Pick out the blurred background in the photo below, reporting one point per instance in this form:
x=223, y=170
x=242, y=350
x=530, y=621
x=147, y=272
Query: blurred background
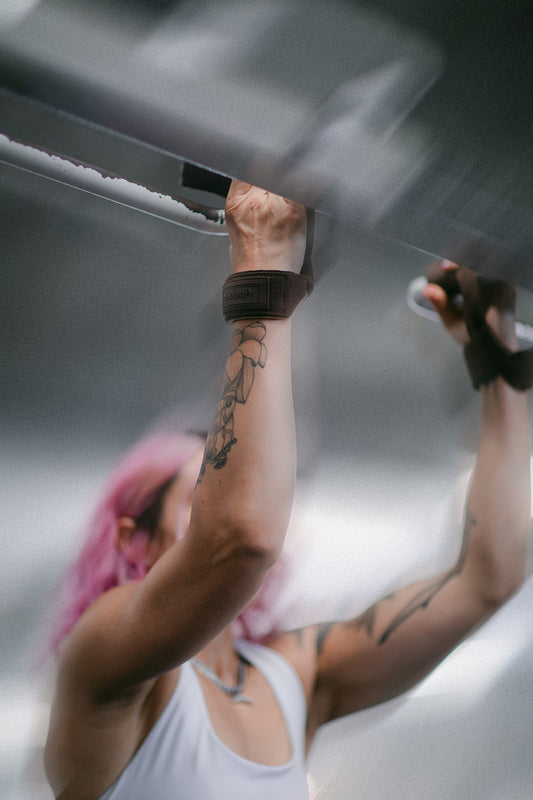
x=407, y=128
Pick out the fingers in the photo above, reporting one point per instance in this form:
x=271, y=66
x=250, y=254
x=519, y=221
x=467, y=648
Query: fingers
x=439, y=300
x=240, y=189
x=264, y=211
x=451, y=316
x=439, y=275
x=237, y=191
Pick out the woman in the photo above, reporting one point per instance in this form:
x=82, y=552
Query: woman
x=156, y=696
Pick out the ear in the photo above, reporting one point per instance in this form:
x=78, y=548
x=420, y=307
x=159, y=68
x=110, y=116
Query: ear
x=132, y=547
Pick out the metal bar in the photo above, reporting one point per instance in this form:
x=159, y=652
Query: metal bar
x=77, y=175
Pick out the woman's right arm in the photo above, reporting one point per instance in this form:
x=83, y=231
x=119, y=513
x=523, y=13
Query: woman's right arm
x=243, y=499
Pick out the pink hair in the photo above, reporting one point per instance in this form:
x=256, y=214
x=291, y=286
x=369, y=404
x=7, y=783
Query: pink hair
x=133, y=487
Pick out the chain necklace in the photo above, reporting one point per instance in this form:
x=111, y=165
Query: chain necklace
x=235, y=692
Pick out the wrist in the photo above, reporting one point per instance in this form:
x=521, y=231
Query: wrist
x=281, y=258
x=263, y=294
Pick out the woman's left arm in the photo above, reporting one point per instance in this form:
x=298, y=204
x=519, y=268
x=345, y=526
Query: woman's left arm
x=401, y=638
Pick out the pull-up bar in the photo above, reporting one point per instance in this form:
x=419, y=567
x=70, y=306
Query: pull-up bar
x=77, y=175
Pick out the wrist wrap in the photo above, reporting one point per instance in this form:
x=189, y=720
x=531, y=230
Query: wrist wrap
x=263, y=294
x=486, y=357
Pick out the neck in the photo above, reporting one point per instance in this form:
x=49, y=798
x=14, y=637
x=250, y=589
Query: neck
x=221, y=657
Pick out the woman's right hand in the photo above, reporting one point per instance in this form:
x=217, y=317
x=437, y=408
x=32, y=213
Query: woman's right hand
x=266, y=231
x=499, y=314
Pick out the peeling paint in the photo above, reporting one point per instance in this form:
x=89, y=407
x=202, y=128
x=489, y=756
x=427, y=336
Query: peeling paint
x=77, y=175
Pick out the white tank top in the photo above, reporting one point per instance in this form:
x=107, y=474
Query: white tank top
x=182, y=758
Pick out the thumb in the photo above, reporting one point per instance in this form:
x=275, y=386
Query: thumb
x=437, y=297
x=452, y=318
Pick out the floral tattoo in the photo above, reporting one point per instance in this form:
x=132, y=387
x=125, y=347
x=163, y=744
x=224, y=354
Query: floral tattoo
x=246, y=354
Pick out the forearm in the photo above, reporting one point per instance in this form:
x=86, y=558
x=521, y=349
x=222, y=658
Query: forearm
x=498, y=508
x=247, y=480
x=248, y=475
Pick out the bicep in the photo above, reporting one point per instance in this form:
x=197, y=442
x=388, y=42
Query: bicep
x=395, y=643
x=139, y=631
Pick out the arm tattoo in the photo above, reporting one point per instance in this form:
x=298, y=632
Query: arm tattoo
x=367, y=619
x=247, y=352
x=423, y=597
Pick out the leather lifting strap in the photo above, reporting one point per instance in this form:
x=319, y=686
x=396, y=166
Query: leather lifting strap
x=486, y=357
x=269, y=294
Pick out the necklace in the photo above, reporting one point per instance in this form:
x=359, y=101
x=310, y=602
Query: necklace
x=235, y=692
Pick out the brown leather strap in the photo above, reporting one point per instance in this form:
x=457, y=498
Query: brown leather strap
x=486, y=357
x=263, y=294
